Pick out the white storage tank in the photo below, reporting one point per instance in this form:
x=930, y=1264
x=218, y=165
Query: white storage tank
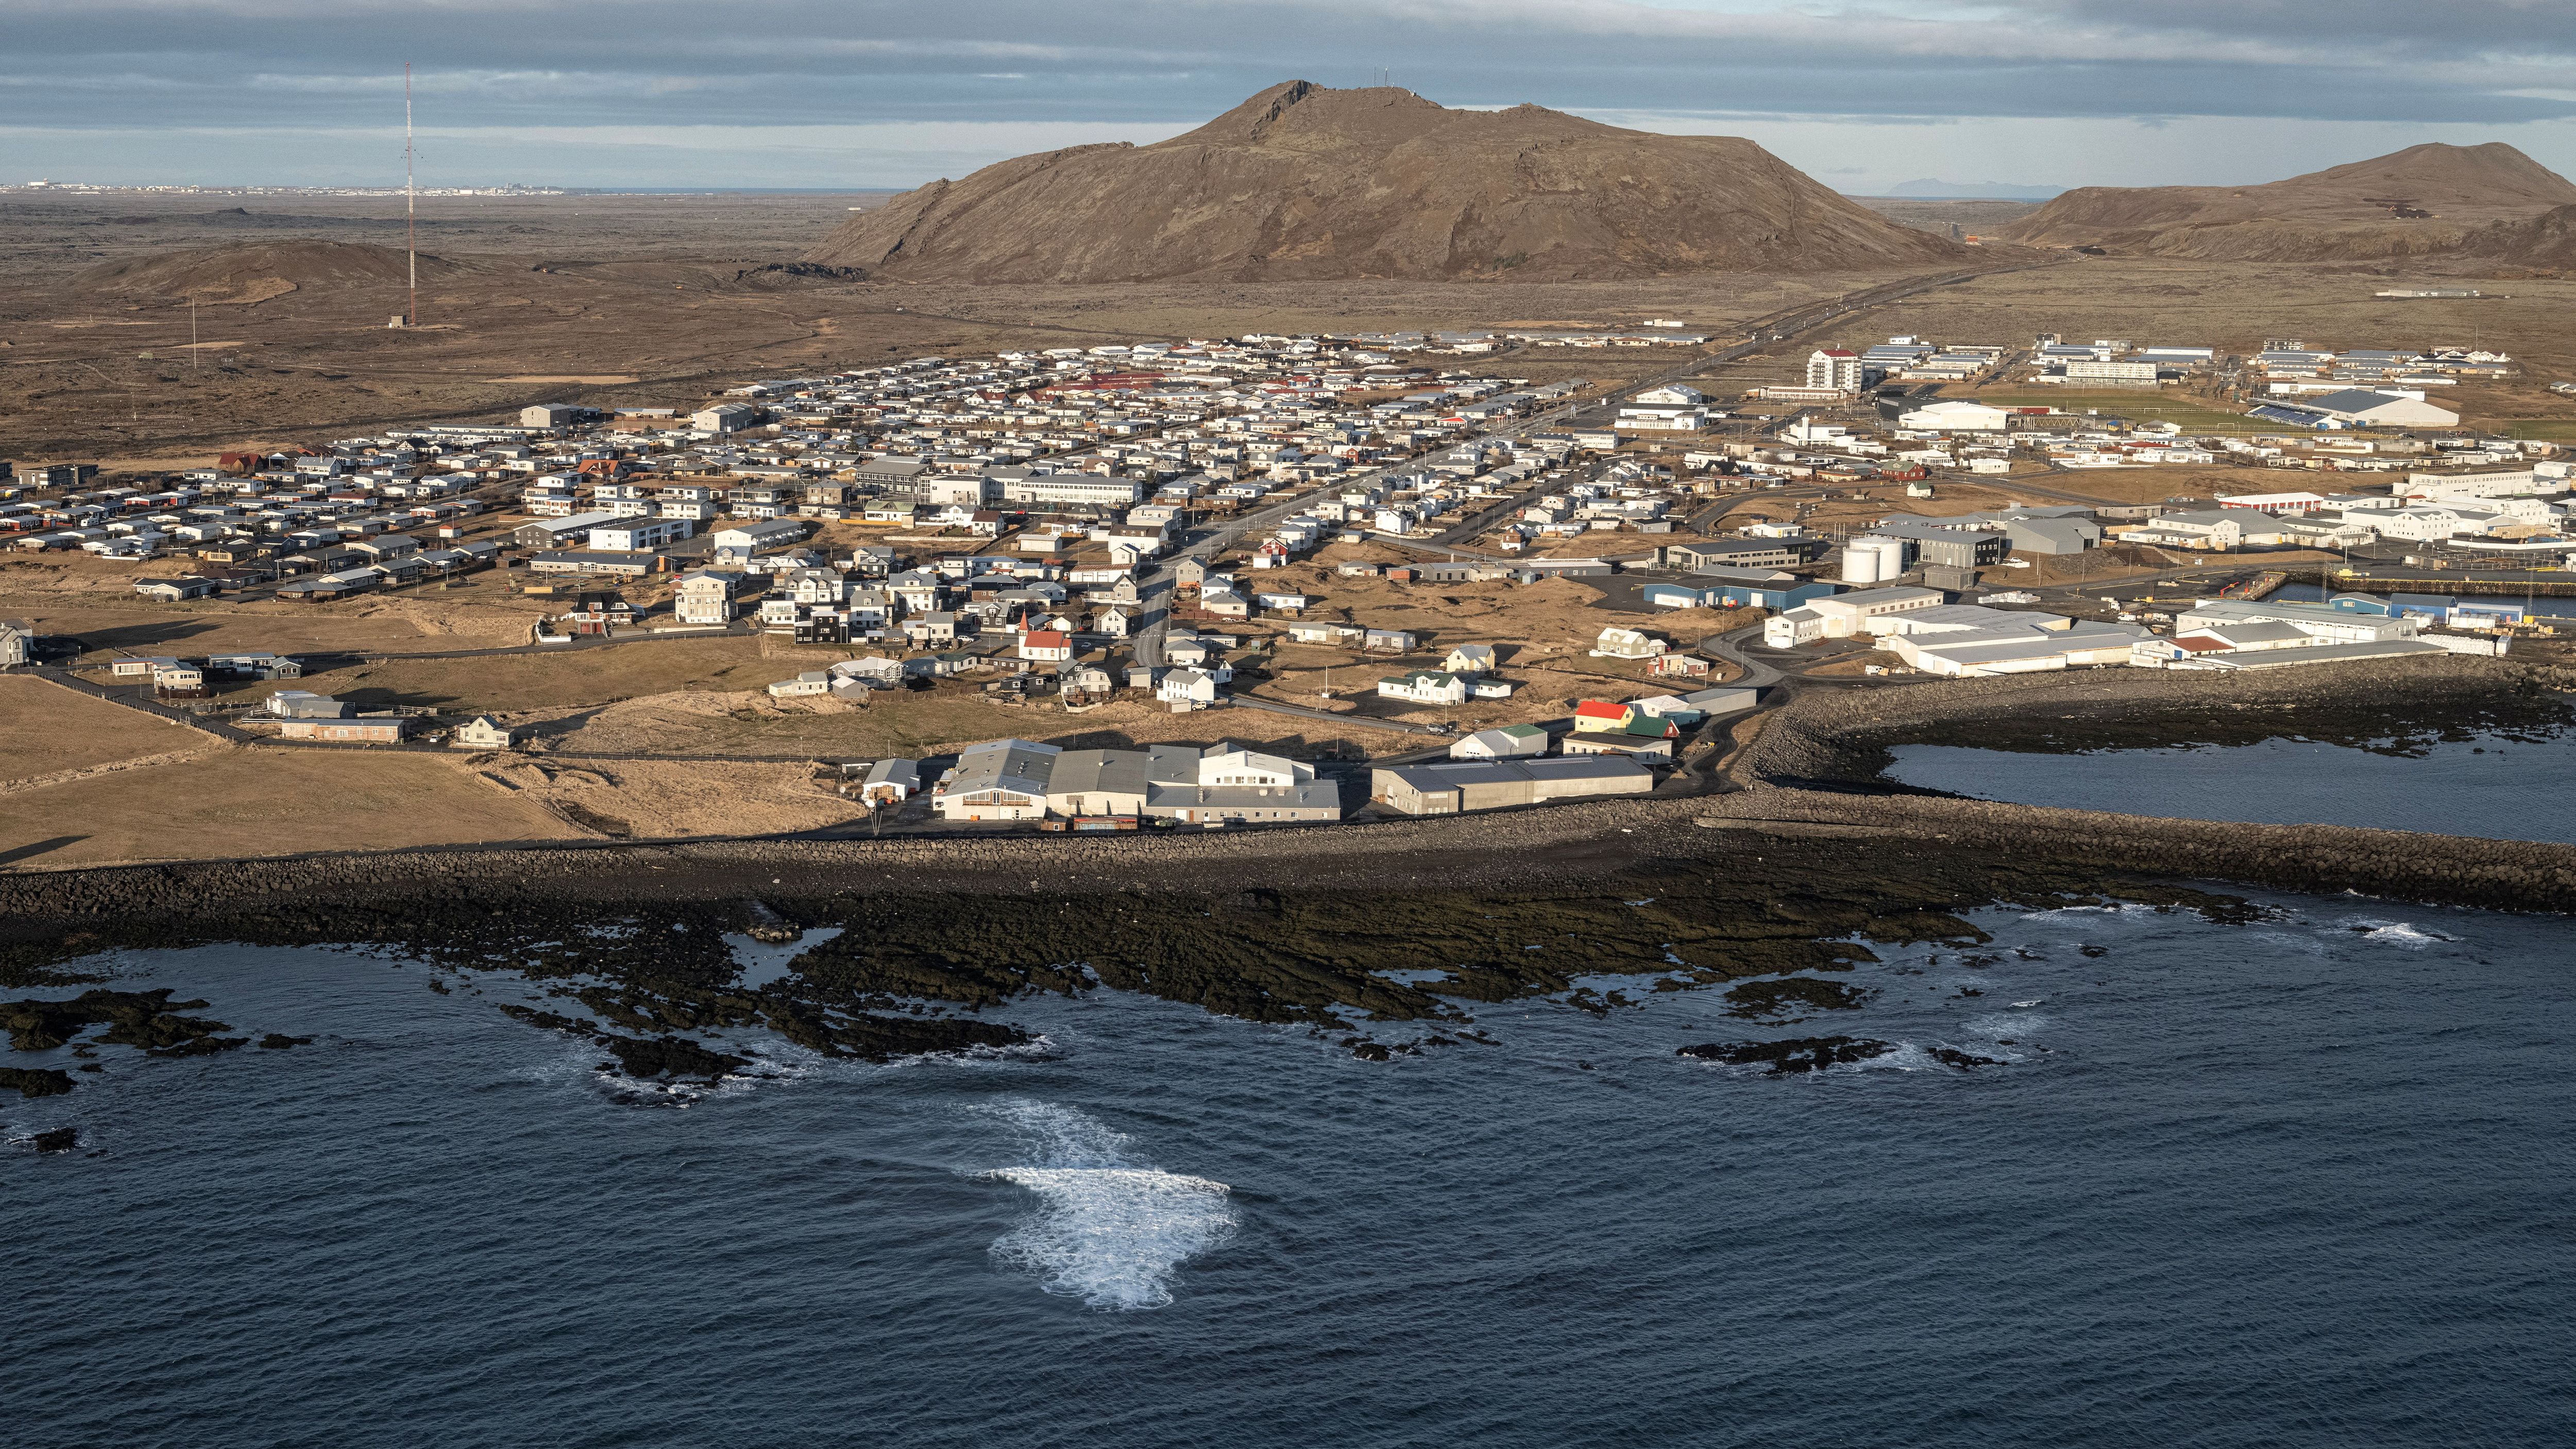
x=1860, y=562
x=1888, y=555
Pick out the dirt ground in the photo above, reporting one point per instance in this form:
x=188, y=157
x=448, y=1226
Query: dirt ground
x=650, y=799
x=46, y=729
x=617, y=301
x=574, y=678
x=252, y=801
x=94, y=599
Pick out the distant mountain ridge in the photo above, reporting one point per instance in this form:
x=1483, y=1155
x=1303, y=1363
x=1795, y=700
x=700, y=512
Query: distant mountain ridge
x=1929, y=189
x=1302, y=182
x=2421, y=201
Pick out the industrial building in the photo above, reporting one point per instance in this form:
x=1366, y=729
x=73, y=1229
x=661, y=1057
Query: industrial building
x=2358, y=407
x=1970, y=641
x=1742, y=553
x=1223, y=783
x=1454, y=789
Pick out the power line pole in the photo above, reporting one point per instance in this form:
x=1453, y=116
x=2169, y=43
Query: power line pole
x=411, y=209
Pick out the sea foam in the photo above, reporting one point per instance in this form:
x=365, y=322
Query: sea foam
x=2397, y=933
x=1105, y=1229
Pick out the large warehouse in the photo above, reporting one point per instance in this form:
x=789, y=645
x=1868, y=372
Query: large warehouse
x=2358, y=407
x=1492, y=785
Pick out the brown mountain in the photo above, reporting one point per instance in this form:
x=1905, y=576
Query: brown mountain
x=1305, y=183
x=2422, y=200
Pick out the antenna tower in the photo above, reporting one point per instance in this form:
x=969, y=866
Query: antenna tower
x=411, y=208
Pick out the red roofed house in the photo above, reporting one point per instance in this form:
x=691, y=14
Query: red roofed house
x=1600, y=716
x=1051, y=646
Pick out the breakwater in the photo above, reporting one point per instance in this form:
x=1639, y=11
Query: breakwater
x=1814, y=770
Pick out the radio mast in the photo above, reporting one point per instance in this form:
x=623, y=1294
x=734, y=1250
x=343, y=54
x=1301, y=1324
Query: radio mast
x=411, y=208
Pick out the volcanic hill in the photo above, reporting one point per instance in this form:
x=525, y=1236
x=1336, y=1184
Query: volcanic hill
x=2545, y=243
x=250, y=272
x=1307, y=183
x=2420, y=201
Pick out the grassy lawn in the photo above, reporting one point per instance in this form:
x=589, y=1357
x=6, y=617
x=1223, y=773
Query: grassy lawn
x=2551, y=430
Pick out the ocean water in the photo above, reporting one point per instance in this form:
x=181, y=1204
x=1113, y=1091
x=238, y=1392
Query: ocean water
x=2489, y=785
x=2302, y=1182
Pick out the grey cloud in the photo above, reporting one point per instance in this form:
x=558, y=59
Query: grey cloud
x=307, y=64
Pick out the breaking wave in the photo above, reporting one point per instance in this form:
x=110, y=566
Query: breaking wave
x=1104, y=1229
x=2397, y=933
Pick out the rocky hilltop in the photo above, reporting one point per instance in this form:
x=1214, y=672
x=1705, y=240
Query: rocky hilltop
x=2546, y=242
x=1306, y=183
x=2421, y=201
x=246, y=272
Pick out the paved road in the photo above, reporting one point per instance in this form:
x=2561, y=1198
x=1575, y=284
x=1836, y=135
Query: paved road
x=1729, y=647
x=578, y=641
x=139, y=697
x=1358, y=721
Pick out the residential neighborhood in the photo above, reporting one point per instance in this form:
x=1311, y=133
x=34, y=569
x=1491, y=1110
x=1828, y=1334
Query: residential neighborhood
x=1288, y=581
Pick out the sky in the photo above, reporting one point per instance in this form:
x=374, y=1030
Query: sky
x=642, y=94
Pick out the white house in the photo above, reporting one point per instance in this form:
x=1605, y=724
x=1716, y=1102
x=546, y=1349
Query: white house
x=890, y=783
x=1424, y=686
x=1507, y=742
x=1617, y=643
x=1187, y=689
x=1470, y=659
x=755, y=536
x=484, y=733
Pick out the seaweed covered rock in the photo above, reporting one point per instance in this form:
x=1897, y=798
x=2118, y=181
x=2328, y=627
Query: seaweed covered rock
x=1777, y=1000
x=1815, y=1053
x=149, y=1020
x=669, y=1056
x=1798, y=1054
x=35, y=1081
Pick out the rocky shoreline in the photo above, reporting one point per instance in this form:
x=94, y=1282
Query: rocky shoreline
x=1388, y=934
